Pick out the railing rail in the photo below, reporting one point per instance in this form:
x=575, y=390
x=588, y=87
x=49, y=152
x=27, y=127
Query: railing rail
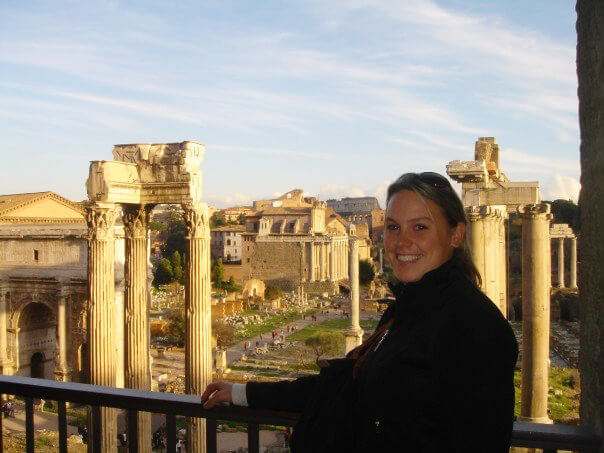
x=548, y=437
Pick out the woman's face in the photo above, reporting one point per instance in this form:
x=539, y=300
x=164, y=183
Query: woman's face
x=417, y=236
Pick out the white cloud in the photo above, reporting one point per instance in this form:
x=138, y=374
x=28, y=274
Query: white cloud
x=561, y=187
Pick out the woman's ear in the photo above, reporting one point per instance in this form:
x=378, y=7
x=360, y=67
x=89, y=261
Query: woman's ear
x=458, y=235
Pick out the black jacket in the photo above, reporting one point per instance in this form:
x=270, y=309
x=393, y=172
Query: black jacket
x=440, y=381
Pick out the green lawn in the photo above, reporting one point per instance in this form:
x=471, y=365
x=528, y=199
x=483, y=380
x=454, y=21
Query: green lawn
x=269, y=324
x=331, y=325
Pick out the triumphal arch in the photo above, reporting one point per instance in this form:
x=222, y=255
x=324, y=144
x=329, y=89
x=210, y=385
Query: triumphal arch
x=129, y=186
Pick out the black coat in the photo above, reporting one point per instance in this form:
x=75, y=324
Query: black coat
x=440, y=381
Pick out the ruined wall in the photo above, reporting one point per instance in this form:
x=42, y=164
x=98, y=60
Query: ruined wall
x=590, y=62
x=236, y=271
x=276, y=263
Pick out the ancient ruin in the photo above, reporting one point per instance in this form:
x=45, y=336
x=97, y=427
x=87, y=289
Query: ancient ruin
x=562, y=231
x=140, y=176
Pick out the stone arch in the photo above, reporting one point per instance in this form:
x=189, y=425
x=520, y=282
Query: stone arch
x=254, y=288
x=36, y=340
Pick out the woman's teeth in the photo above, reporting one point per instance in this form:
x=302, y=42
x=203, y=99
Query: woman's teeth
x=408, y=257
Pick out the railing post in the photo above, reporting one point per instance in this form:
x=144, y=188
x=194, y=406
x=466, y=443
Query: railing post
x=253, y=438
x=132, y=440
x=171, y=432
x=29, y=425
x=1, y=430
x=62, y=420
x=94, y=438
x=211, y=441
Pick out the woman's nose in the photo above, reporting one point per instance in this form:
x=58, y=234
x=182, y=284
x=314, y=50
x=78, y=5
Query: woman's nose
x=403, y=239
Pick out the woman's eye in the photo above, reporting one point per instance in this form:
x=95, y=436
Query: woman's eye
x=392, y=227
x=420, y=227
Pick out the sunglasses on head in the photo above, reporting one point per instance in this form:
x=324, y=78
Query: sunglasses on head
x=429, y=177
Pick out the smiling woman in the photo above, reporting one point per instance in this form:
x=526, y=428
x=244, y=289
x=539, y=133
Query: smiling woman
x=440, y=355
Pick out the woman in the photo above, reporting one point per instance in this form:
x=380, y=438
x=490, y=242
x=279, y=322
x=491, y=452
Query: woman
x=436, y=375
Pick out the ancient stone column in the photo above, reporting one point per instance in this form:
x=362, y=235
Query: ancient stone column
x=322, y=261
x=101, y=249
x=198, y=344
x=5, y=364
x=62, y=371
x=313, y=259
x=560, y=262
x=536, y=269
x=136, y=325
x=332, y=262
x=354, y=334
x=484, y=231
x=573, y=262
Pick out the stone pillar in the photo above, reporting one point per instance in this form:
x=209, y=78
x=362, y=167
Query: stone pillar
x=503, y=269
x=573, y=262
x=536, y=270
x=62, y=371
x=198, y=345
x=313, y=259
x=136, y=325
x=302, y=261
x=101, y=250
x=5, y=364
x=484, y=231
x=332, y=262
x=322, y=261
x=354, y=334
x=560, y=262
x=381, y=258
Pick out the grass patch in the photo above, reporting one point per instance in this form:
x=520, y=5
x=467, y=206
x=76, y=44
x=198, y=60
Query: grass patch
x=331, y=325
x=563, y=395
x=269, y=324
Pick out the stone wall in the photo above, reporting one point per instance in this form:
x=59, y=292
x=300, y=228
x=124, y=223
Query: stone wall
x=276, y=263
x=236, y=271
x=590, y=61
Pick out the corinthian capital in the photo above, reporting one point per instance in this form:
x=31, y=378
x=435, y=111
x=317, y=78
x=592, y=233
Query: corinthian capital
x=101, y=220
x=196, y=219
x=136, y=220
x=533, y=211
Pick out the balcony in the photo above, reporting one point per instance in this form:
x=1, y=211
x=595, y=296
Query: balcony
x=550, y=438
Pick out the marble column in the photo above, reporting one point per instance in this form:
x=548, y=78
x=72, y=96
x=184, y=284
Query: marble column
x=62, y=371
x=322, y=261
x=100, y=218
x=354, y=334
x=332, y=262
x=136, y=325
x=536, y=270
x=313, y=259
x=303, y=276
x=198, y=344
x=573, y=262
x=484, y=228
x=5, y=363
x=502, y=268
x=561, y=262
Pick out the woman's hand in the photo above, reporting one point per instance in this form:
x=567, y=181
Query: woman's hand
x=217, y=392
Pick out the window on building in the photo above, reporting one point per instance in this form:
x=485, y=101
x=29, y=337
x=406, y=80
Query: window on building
x=36, y=255
x=248, y=260
x=228, y=242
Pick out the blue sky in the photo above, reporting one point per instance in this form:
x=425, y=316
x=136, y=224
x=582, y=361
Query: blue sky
x=336, y=97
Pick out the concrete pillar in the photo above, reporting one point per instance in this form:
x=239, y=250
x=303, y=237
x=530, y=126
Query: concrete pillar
x=536, y=270
x=100, y=218
x=354, y=334
x=484, y=230
x=573, y=262
x=62, y=371
x=137, y=375
x=560, y=262
x=5, y=364
x=313, y=259
x=198, y=344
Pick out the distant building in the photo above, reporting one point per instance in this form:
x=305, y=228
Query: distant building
x=226, y=242
x=365, y=210
x=233, y=214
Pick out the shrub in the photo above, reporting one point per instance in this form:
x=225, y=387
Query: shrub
x=322, y=343
x=366, y=272
x=272, y=292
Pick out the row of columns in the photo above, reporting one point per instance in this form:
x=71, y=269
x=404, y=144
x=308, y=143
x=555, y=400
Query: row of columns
x=326, y=260
x=573, y=262
x=101, y=219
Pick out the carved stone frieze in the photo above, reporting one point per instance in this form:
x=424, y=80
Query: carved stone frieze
x=197, y=220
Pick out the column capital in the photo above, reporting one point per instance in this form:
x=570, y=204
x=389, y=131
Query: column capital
x=100, y=218
x=136, y=220
x=353, y=242
x=534, y=211
x=483, y=212
x=197, y=220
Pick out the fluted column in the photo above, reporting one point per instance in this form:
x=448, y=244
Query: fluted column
x=313, y=259
x=573, y=262
x=354, y=334
x=62, y=370
x=5, y=364
x=484, y=231
x=101, y=250
x=536, y=270
x=198, y=345
x=332, y=262
x=561, y=262
x=136, y=325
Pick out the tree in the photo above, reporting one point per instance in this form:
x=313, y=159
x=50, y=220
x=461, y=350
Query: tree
x=176, y=327
x=322, y=343
x=230, y=286
x=175, y=238
x=566, y=211
x=217, y=273
x=241, y=219
x=366, y=272
x=163, y=273
x=272, y=292
x=156, y=226
x=217, y=220
x=176, y=266
x=224, y=334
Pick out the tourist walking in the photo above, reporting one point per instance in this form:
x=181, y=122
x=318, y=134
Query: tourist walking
x=437, y=375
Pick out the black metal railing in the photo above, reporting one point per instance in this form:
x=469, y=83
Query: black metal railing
x=550, y=438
